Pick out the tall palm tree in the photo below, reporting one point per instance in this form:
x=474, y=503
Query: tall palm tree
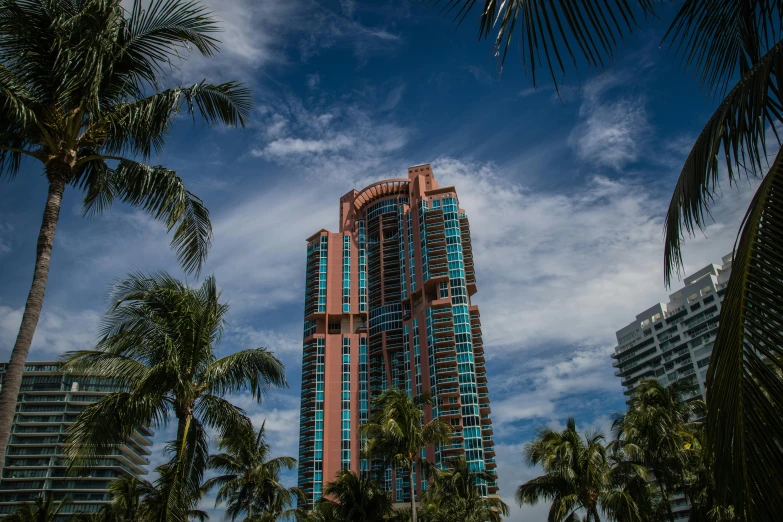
x=351, y=498
x=42, y=510
x=249, y=483
x=396, y=433
x=158, y=340
x=79, y=93
x=455, y=494
x=579, y=479
x=128, y=495
x=735, y=50
x=656, y=430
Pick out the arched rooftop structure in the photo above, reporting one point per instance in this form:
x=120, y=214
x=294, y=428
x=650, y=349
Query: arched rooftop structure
x=387, y=187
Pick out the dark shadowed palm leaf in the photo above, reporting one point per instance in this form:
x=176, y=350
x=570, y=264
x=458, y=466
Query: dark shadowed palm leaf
x=744, y=390
x=249, y=481
x=79, y=93
x=559, y=35
x=734, y=49
x=351, y=498
x=396, y=433
x=158, y=340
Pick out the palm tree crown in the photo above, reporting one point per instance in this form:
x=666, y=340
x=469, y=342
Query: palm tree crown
x=456, y=494
x=158, y=339
x=250, y=481
x=656, y=429
x=396, y=433
x=79, y=93
x=578, y=477
x=351, y=498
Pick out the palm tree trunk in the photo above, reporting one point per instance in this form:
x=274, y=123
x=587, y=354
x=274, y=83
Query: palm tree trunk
x=32, y=312
x=413, y=492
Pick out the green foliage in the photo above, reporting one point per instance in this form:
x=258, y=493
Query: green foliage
x=42, y=510
x=158, y=339
x=79, y=91
x=350, y=498
x=579, y=477
x=455, y=494
x=396, y=432
x=249, y=481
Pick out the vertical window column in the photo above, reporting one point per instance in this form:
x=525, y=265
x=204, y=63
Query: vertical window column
x=423, y=207
x=345, y=453
x=322, y=274
x=364, y=398
x=411, y=251
x=319, y=418
x=406, y=350
x=346, y=274
x=401, y=232
x=362, y=265
x=417, y=356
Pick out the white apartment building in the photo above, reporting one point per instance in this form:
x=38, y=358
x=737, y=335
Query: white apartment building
x=673, y=341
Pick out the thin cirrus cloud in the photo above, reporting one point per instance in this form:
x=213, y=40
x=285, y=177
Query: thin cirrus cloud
x=612, y=128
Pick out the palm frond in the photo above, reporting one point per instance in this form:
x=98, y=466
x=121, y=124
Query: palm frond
x=139, y=127
x=717, y=39
x=154, y=34
x=256, y=368
x=745, y=376
x=162, y=194
x=109, y=422
x=219, y=414
x=739, y=128
x=571, y=34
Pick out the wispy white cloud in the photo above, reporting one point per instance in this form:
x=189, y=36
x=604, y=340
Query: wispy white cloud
x=338, y=141
x=6, y=229
x=588, y=258
x=480, y=74
x=612, y=129
x=59, y=330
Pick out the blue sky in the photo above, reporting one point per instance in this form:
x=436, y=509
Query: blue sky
x=566, y=198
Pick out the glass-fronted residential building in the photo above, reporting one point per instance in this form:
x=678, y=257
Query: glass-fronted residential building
x=388, y=303
x=673, y=341
x=49, y=401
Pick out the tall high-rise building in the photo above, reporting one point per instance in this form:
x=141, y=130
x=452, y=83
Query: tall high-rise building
x=388, y=304
x=48, y=403
x=673, y=341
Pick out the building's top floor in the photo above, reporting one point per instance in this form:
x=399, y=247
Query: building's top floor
x=710, y=278
x=420, y=185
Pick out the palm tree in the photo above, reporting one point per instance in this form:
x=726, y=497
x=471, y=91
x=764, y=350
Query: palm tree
x=250, y=480
x=42, y=510
x=578, y=478
x=396, y=433
x=158, y=339
x=735, y=49
x=655, y=432
x=351, y=498
x=128, y=495
x=455, y=494
x=79, y=93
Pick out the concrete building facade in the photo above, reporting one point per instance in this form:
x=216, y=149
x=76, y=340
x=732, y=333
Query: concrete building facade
x=388, y=304
x=48, y=403
x=673, y=341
